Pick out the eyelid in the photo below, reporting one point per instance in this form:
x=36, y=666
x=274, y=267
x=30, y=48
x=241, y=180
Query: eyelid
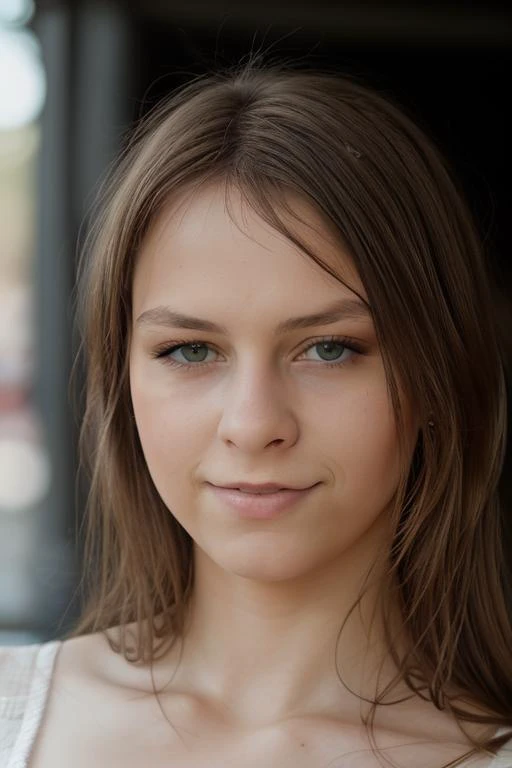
x=163, y=351
x=345, y=341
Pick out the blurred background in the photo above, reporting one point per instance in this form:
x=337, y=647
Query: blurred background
x=73, y=78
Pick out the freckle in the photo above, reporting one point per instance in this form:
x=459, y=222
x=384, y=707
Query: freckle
x=302, y=744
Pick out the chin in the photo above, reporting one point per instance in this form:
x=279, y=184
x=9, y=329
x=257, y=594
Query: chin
x=270, y=575
x=269, y=565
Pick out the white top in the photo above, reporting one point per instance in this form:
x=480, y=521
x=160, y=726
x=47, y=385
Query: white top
x=25, y=679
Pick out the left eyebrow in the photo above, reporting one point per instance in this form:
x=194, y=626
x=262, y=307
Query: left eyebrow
x=353, y=309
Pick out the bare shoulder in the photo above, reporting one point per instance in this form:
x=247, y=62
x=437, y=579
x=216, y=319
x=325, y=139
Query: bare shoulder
x=102, y=710
x=88, y=660
x=87, y=671
x=90, y=704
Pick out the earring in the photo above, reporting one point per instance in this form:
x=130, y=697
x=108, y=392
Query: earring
x=431, y=423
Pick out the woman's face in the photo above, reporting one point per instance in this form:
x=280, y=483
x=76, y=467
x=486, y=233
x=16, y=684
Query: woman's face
x=261, y=399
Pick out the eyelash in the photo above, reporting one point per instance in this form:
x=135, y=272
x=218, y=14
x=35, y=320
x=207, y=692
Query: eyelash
x=163, y=353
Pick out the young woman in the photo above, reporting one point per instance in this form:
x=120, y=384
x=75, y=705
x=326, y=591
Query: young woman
x=295, y=423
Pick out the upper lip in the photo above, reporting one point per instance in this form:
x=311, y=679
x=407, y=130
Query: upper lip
x=258, y=487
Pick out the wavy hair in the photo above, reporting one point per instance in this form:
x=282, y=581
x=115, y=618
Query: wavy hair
x=385, y=189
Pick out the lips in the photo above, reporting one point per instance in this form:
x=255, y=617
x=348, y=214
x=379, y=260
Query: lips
x=261, y=487
x=261, y=493
x=263, y=505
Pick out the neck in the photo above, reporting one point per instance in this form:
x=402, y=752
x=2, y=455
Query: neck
x=272, y=650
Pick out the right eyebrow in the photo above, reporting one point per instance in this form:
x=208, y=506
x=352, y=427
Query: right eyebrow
x=349, y=308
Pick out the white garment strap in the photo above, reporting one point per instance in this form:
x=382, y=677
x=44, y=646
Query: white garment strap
x=504, y=757
x=38, y=694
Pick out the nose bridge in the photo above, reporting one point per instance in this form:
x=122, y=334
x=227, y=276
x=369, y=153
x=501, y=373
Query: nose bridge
x=257, y=407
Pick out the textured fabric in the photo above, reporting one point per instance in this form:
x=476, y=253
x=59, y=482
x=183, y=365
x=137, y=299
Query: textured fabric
x=504, y=759
x=25, y=678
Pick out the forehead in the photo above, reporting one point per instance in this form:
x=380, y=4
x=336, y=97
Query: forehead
x=205, y=242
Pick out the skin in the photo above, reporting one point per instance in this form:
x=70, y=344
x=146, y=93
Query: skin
x=254, y=681
x=263, y=408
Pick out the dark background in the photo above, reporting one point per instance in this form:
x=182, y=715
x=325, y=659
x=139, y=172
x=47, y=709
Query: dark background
x=107, y=63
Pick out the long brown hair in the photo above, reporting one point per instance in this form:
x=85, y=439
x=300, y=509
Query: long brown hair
x=375, y=178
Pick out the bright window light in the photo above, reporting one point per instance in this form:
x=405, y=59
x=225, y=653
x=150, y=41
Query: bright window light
x=22, y=78
x=16, y=11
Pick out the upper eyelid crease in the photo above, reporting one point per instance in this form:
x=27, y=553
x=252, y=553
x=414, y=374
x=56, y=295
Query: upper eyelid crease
x=353, y=309
x=354, y=345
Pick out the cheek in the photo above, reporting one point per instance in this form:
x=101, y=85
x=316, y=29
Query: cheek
x=167, y=435
x=348, y=439
x=168, y=432
x=364, y=445
x=350, y=436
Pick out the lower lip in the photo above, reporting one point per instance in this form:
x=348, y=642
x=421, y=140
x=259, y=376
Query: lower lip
x=258, y=505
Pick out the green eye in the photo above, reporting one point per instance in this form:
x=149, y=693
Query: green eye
x=193, y=353
x=332, y=350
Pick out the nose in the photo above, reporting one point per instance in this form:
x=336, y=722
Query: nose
x=257, y=411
